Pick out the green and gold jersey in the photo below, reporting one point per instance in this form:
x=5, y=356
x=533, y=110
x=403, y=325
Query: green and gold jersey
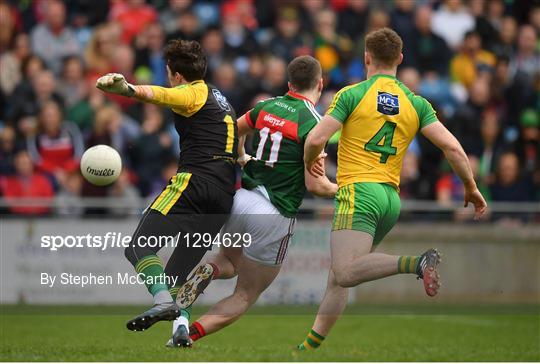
x=281, y=126
x=380, y=118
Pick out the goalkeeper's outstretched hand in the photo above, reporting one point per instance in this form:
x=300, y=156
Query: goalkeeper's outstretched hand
x=115, y=83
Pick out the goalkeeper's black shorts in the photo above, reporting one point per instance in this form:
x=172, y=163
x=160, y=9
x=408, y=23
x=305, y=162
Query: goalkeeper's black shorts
x=190, y=209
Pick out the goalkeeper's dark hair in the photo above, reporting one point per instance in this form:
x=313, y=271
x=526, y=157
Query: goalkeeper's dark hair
x=187, y=58
x=304, y=73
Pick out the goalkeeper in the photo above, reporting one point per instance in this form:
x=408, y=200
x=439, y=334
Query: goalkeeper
x=199, y=196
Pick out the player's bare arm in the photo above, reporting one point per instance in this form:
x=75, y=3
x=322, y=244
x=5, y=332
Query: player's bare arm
x=316, y=141
x=440, y=136
x=320, y=186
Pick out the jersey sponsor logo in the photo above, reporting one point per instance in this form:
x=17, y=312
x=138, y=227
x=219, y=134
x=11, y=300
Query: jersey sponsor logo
x=221, y=100
x=288, y=128
x=387, y=104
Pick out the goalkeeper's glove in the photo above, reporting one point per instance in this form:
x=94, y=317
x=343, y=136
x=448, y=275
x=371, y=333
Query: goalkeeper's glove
x=115, y=83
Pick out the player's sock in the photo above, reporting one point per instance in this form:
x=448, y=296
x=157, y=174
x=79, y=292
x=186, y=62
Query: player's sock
x=174, y=292
x=196, y=331
x=183, y=319
x=186, y=312
x=408, y=264
x=180, y=320
x=151, y=266
x=215, y=272
x=312, y=341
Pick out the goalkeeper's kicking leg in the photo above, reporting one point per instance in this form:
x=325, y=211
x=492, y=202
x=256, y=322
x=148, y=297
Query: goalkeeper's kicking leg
x=173, y=214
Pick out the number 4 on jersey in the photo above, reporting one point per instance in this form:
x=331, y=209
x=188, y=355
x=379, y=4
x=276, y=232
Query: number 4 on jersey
x=385, y=149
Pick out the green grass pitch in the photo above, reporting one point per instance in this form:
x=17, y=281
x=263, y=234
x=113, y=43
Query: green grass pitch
x=365, y=333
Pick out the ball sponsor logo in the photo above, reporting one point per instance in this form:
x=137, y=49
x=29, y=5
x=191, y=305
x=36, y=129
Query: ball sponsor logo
x=106, y=172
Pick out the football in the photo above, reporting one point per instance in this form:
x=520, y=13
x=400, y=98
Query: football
x=101, y=165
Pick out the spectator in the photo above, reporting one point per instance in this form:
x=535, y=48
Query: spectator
x=510, y=185
x=409, y=178
x=471, y=60
x=8, y=150
x=53, y=40
x=113, y=128
x=353, y=19
x=427, y=51
x=239, y=42
x=527, y=147
x=274, y=81
x=451, y=22
x=124, y=62
x=331, y=49
x=7, y=26
x=377, y=19
x=288, y=43
x=26, y=183
x=148, y=57
x=58, y=145
x=309, y=10
x=504, y=47
x=68, y=198
x=534, y=17
x=402, y=20
x=488, y=16
x=214, y=45
x=188, y=26
x=225, y=79
x=490, y=145
x=133, y=16
x=150, y=150
x=99, y=51
x=31, y=66
x=464, y=123
x=10, y=63
x=28, y=100
x=72, y=85
x=168, y=16
x=251, y=82
x=527, y=58
x=89, y=13
x=103, y=128
x=125, y=194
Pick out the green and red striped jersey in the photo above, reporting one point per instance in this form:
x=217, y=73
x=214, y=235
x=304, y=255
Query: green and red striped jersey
x=281, y=126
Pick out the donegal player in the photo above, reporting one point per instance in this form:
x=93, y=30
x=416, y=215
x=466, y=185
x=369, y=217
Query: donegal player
x=273, y=186
x=379, y=118
x=200, y=196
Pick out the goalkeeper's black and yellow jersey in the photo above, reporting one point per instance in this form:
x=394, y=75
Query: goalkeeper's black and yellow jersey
x=206, y=123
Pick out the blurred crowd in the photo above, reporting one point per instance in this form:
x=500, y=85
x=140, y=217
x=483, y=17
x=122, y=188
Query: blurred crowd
x=476, y=61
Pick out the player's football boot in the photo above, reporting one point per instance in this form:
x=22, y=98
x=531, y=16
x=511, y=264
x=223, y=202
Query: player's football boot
x=427, y=271
x=195, y=285
x=160, y=312
x=180, y=338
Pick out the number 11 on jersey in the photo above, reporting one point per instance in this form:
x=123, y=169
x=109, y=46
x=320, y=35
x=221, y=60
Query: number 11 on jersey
x=276, y=138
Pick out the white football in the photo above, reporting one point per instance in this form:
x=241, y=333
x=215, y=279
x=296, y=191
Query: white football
x=101, y=165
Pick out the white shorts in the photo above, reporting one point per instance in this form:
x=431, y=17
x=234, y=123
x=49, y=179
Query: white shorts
x=253, y=213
